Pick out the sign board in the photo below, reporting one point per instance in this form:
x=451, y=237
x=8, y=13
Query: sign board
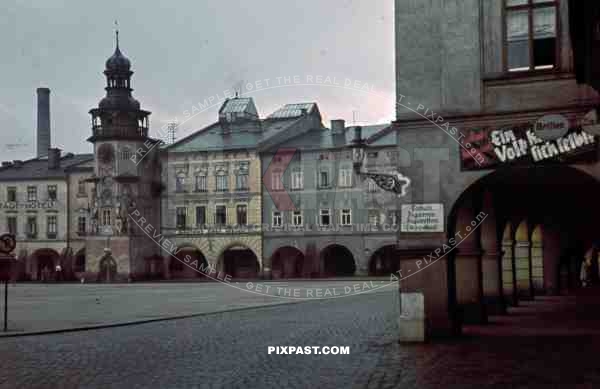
x=50, y=204
x=422, y=218
x=7, y=243
x=491, y=147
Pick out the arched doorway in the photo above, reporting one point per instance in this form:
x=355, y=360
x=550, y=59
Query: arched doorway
x=107, y=269
x=79, y=265
x=187, y=263
x=288, y=262
x=553, y=213
x=384, y=261
x=44, y=262
x=239, y=262
x=337, y=261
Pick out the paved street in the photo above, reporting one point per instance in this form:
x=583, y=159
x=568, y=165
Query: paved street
x=550, y=342
x=43, y=307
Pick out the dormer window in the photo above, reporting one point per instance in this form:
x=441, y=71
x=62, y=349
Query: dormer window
x=531, y=35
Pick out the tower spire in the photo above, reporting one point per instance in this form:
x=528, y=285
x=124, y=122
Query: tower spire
x=117, y=33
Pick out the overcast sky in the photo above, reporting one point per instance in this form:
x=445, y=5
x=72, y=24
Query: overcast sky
x=183, y=52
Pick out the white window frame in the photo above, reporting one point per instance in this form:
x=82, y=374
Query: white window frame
x=226, y=214
x=236, y=214
x=106, y=216
x=32, y=194
x=347, y=214
x=277, y=180
x=328, y=184
x=222, y=179
x=201, y=179
x=277, y=219
x=322, y=212
x=345, y=178
x=374, y=212
x=297, y=218
x=297, y=180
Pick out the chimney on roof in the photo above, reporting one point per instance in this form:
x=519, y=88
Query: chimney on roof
x=338, y=126
x=6, y=163
x=53, y=158
x=17, y=163
x=43, y=122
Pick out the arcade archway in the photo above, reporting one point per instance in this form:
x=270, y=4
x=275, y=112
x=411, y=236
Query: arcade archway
x=338, y=261
x=186, y=263
x=530, y=229
x=384, y=261
x=239, y=262
x=43, y=264
x=288, y=262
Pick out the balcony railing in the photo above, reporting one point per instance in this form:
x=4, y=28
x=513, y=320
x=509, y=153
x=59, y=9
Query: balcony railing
x=101, y=132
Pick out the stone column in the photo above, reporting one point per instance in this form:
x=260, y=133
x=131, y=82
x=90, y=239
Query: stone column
x=537, y=260
x=433, y=283
x=551, y=245
x=468, y=272
x=490, y=260
x=523, y=262
x=508, y=267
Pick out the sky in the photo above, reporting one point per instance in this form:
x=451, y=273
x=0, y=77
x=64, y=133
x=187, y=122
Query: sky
x=338, y=53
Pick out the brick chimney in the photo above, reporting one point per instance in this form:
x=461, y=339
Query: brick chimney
x=43, y=122
x=53, y=158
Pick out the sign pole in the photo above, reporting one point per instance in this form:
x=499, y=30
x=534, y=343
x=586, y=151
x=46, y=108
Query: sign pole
x=5, y=305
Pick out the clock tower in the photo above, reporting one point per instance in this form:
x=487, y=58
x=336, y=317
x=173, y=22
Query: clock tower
x=126, y=179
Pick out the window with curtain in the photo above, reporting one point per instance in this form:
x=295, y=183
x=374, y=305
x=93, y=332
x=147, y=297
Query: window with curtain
x=531, y=35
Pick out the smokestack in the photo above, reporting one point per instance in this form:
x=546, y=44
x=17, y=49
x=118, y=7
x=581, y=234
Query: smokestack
x=53, y=158
x=43, y=122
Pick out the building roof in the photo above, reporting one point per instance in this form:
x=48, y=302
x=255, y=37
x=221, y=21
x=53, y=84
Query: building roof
x=37, y=168
x=324, y=138
x=293, y=110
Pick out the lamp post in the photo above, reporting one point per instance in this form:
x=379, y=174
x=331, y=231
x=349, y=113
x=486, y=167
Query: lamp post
x=7, y=261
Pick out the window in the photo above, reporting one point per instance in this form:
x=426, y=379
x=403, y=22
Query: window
x=180, y=218
x=241, y=182
x=11, y=225
x=81, y=225
x=242, y=214
x=81, y=188
x=324, y=217
x=52, y=192
x=277, y=180
x=531, y=31
x=297, y=218
x=106, y=217
x=277, y=221
x=346, y=217
x=297, y=180
x=372, y=185
x=31, y=227
x=201, y=216
x=324, y=179
x=392, y=218
x=180, y=183
x=31, y=193
x=222, y=184
x=373, y=217
x=345, y=178
x=51, y=227
x=221, y=215
x=201, y=183
x=11, y=194
x=125, y=153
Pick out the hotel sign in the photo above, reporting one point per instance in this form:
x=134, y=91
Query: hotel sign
x=532, y=143
x=28, y=205
x=422, y=218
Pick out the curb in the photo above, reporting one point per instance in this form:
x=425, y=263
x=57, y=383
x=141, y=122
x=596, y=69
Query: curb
x=144, y=321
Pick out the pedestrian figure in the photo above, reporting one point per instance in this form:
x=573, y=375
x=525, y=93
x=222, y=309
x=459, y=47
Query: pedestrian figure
x=584, y=274
x=45, y=274
x=58, y=274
